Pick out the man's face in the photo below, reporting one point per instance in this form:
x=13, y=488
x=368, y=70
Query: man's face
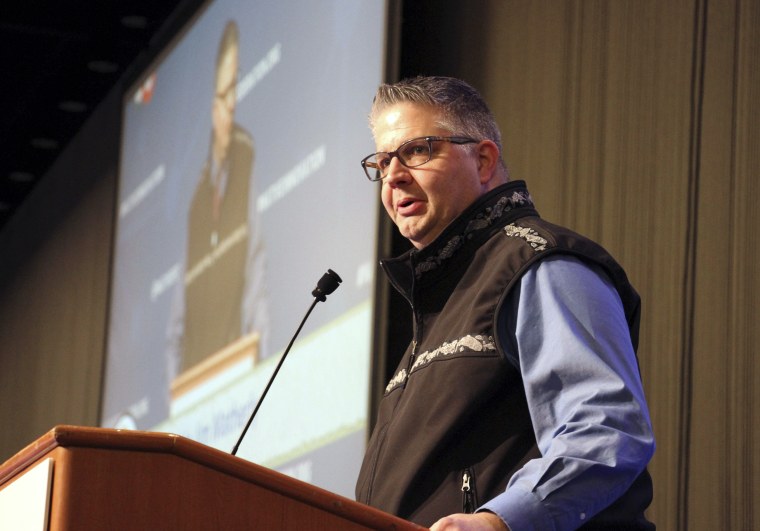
x=223, y=110
x=422, y=201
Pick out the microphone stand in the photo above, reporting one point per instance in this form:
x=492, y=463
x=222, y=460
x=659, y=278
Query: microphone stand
x=327, y=284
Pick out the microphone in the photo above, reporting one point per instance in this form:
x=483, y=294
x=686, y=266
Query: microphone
x=326, y=285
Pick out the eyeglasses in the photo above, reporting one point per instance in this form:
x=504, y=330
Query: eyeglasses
x=412, y=153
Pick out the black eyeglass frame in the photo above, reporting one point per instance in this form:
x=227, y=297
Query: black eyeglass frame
x=369, y=169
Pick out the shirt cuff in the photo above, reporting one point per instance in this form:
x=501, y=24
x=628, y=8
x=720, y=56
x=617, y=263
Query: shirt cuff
x=522, y=511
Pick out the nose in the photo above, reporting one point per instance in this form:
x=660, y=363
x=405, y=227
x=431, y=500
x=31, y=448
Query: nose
x=397, y=173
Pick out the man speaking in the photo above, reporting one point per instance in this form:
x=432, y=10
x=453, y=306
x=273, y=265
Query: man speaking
x=518, y=404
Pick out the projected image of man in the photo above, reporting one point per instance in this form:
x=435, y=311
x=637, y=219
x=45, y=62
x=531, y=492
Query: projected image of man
x=224, y=295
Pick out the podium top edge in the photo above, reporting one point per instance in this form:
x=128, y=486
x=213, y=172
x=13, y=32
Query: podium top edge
x=67, y=436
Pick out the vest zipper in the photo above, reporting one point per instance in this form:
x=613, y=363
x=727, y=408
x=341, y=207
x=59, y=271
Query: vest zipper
x=416, y=322
x=412, y=357
x=469, y=497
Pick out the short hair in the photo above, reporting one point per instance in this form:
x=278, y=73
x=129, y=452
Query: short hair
x=463, y=111
x=230, y=38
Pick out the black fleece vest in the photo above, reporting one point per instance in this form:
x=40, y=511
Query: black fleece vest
x=453, y=425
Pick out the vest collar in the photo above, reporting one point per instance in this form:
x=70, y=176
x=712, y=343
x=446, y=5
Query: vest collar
x=466, y=233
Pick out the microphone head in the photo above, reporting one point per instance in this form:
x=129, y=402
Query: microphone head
x=326, y=285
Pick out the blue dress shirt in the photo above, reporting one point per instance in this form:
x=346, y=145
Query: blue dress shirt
x=565, y=329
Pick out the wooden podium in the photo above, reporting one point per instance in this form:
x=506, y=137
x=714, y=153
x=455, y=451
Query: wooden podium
x=116, y=479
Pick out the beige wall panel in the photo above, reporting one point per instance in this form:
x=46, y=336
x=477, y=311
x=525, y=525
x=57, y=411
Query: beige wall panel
x=52, y=325
x=54, y=279
x=726, y=428
x=714, y=485
x=744, y=431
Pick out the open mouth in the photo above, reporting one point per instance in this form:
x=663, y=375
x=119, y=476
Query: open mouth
x=409, y=206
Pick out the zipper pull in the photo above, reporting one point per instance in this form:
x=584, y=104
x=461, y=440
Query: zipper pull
x=466, y=482
x=467, y=502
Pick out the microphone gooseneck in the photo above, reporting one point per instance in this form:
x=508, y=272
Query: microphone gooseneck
x=326, y=285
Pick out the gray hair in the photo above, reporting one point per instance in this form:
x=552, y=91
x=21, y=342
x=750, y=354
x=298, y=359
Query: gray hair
x=462, y=109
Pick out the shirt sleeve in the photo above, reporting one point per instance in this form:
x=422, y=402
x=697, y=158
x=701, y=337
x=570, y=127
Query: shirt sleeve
x=566, y=330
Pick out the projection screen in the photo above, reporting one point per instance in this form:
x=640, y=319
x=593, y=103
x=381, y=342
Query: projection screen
x=239, y=187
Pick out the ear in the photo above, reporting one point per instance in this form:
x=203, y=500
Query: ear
x=488, y=161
